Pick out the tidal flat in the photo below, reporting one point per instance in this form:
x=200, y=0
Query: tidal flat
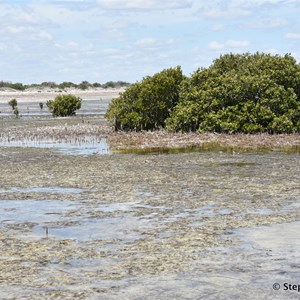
x=199, y=225
x=89, y=213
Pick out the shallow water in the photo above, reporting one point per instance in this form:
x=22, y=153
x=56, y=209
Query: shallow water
x=34, y=211
x=264, y=255
x=45, y=189
x=72, y=147
x=32, y=109
x=205, y=225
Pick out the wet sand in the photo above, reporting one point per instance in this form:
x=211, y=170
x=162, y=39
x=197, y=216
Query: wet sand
x=81, y=221
x=164, y=226
x=34, y=95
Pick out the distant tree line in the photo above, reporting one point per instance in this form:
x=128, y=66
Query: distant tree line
x=247, y=93
x=84, y=85
x=17, y=86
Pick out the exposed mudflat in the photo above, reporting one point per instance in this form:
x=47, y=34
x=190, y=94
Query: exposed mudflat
x=200, y=225
x=34, y=95
x=186, y=216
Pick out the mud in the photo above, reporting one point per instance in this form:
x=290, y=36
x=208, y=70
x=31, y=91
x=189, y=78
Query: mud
x=211, y=225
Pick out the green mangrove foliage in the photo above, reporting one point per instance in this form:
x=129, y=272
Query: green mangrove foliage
x=14, y=106
x=238, y=93
x=13, y=103
x=241, y=93
x=147, y=104
x=64, y=105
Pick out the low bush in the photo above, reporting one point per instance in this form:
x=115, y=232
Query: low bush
x=64, y=105
x=13, y=103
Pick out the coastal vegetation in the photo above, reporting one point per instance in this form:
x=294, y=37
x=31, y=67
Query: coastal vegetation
x=238, y=93
x=64, y=105
x=147, y=104
x=84, y=85
x=13, y=103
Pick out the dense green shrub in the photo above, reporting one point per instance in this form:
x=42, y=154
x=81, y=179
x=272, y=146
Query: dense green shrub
x=241, y=93
x=64, y=105
x=146, y=105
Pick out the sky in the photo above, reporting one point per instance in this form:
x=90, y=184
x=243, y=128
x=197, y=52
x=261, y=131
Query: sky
x=111, y=40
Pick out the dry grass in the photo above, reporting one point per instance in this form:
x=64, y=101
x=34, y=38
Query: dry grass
x=76, y=132
x=239, y=142
x=72, y=129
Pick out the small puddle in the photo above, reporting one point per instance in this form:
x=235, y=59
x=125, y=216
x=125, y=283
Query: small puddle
x=50, y=189
x=113, y=207
x=126, y=228
x=281, y=239
x=67, y=219
x=36, y=211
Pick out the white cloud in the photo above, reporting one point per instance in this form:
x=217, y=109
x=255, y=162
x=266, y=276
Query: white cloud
x=263, y=2
x=292, y=36
x=16, y=29
x=235, y=9
x=3, y=47
x=237, y=44
x=268, y=23
x=111, y=51
x=218, y=27
x=228, y=13
x=272, y=51
x=122, y=39
x=44, y=35
x=70, y=1
x=29, y=32
x=229, y=44
x=224, y=10
x=215, y=45
x=147, y=42
x=76, y=49
x=72, y=4
x=144, y=4
x=152, y=42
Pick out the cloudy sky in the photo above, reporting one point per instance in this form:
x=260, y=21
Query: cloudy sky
x=103, y=40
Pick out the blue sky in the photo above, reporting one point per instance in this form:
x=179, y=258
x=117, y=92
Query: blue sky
x=103, y=40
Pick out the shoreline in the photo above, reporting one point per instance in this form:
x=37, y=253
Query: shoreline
x=94, y=128
x=144, y=141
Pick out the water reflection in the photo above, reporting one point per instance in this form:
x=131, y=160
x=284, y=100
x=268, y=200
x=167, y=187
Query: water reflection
x=85, y=146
